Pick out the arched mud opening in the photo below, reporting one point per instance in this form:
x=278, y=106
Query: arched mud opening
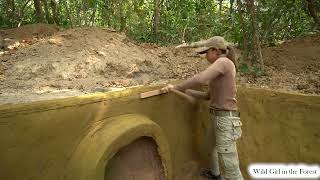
x=139, y=160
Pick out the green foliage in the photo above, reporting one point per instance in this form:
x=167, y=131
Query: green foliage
x=244, y=68
x=282, y=19
x=180, y=20
x=255, y=71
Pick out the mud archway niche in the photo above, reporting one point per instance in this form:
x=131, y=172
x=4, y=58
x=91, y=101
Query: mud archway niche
x=140, y=160
x=109, y=145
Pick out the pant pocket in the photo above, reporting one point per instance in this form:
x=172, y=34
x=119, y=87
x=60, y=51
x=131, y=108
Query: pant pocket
x=223, y=124
x=231, y=165
x=236, y=128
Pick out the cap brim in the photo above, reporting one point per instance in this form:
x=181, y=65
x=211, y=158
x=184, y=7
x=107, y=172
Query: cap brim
x=202, y=50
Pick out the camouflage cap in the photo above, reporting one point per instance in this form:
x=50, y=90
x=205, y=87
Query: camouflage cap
x=216, y=42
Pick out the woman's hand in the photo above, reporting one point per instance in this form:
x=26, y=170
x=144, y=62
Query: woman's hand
x=167, y=88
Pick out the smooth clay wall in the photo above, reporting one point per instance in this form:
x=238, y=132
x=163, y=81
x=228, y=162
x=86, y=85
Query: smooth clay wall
x=279, y=127
x=37, y=140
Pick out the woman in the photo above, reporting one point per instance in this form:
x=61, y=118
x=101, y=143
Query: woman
x=221, y=79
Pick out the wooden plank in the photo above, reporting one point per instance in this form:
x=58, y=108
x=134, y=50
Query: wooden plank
x=151, y=93
x=190, y=99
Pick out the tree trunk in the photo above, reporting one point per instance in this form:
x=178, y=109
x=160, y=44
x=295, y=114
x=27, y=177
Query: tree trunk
x=313, y=12
x=21, y=13
x=256, y=40
x=245, y=40
x=107, y=12
x=68, y=12
x=156, y=17
x=86, y=21
x=93, y=14
x=81, y=12
x=220, y=6
x=110, y=13
x=47, y=12
x=55, y=11
x=231, y=7
x=78, y=6
x=122, y=17
x=13, y=9
x=39, y=13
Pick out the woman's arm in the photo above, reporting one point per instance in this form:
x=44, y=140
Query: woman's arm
x=204, y=77
x=198, y=94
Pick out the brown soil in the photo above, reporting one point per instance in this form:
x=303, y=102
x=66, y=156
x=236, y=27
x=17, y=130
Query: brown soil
x=291, y=66
x=189, y=171
x=29, y=31
x=82, y=60
x=45, y=62
x=138, y=160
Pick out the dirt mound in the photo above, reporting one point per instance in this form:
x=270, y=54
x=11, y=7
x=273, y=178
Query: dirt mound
x=86, y=59
x=12, y=39
x=296, y=56
x=29, y=31
x=83, y=60
x=292, y=66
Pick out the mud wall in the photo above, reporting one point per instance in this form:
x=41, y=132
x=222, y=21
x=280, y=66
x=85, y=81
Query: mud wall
x=279, y=127
x=39, y=140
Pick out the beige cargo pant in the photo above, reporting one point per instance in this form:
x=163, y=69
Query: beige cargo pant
x=226, y=130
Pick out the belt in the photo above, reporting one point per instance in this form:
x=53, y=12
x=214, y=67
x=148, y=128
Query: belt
x=224, y=113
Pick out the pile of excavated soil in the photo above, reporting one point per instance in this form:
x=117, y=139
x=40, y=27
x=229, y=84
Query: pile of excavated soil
x=83, y=60
x=29, y=31
x=291, y=66
x=45, y=62
x=12, y=39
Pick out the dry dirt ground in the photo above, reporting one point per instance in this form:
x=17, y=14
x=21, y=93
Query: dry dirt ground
x=44, y=62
